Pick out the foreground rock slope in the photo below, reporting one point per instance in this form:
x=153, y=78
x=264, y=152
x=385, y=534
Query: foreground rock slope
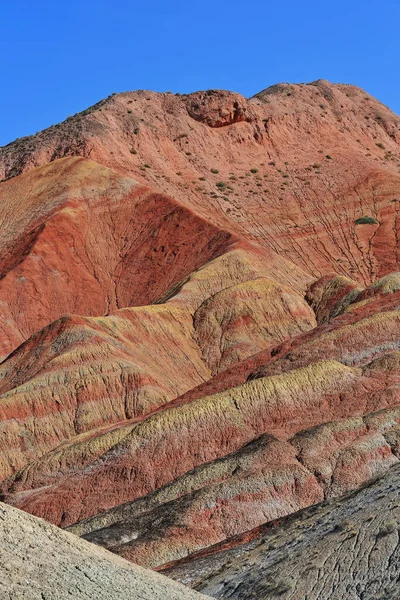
x=37, y=560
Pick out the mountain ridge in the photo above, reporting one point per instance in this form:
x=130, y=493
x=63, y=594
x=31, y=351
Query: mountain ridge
x=199, y=315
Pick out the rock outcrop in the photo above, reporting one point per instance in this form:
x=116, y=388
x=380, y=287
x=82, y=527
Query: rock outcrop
x=341, y=549
x=310, y=171
x=38, y=560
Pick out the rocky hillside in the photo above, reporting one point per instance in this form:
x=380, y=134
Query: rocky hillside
x=343, y=549
x=292, y=168
x=39, y=561
x=200, y=326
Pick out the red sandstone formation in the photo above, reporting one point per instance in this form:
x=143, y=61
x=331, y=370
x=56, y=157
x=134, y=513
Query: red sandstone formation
x=293, y=168
x=199, y=302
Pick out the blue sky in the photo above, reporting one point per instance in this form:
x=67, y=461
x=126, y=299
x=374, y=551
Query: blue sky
x=57, y=58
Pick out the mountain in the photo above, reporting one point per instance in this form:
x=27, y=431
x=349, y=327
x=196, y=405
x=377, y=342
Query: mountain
x=297, y=165
x=200, y=326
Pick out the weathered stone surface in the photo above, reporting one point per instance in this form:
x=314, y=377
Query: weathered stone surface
x=82, y=373
x=200, y=330
x=330, y=295
x=365, y=331
x=38, y=560
x=297, y=166
x=261, y=481
x=87, y=241
x=331, y=551
x=173, y=441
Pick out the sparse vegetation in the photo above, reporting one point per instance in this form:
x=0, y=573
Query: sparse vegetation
x=253, y=170
x=214, y=171
x=386, y=529
x=366, y=221
x=345, y=525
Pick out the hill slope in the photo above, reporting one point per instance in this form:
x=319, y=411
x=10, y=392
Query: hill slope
x=199, y=313
x=343, y=549
x=38, y=560
x=292, y=168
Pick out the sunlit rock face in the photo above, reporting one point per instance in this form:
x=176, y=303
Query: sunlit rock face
x=199, y=314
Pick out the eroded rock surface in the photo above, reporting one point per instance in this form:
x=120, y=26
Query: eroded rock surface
x=332, y=551
x=310, y=171
x=199, y=316
x=38, y=560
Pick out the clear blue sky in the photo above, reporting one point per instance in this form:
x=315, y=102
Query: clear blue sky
x=57, y=58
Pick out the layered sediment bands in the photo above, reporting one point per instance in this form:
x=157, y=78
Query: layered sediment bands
x=343, y=454
x=79, y=374
x=52, y=262
x=294, y=168
x=388, y=284
x=335, y=550
x=38, y=560
x=330, y=295
x=263, y=480
x=233, y=494
x=243, y=319
x=82, y=373
x=263, y=451
x=229, y=378
x=200, y=330
x=173, y=441
x=366, y=330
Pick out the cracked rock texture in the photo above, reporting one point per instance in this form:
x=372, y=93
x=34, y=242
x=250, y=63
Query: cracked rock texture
x=345, y=549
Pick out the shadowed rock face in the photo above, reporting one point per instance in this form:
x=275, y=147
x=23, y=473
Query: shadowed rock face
x=38, y=560
x=200, y=323
x=332, y=551
x=84, y=240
